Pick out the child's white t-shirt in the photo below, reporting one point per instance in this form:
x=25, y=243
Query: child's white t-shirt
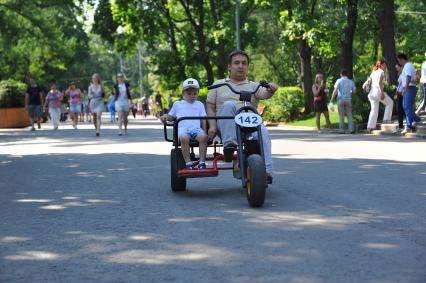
x=182, y=108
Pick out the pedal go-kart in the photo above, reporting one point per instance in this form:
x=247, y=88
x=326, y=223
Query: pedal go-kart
x=248, y=163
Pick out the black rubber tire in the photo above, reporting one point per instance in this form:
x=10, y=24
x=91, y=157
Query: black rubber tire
x=256, y=180
x=178, y=184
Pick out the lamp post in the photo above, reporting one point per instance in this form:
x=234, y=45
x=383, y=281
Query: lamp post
x=140, y=68
x=237, y=23
x=120, y=30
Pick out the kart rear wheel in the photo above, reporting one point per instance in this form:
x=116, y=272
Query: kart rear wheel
x=256, y=180
x=177, y=163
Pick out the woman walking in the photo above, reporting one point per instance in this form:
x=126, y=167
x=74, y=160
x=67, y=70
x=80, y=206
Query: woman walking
x=320, y=101
x=53, y=101
x=96, y=96
x=75, y=102
x=123, y=102
x=377, y=95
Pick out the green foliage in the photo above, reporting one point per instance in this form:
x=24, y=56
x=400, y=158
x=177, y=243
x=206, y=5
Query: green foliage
x=12, y=94
x=286, y=104
x=202, y=95
x=40, y=38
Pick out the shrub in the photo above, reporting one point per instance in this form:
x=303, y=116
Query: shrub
x=286, y=105
x=12, y=94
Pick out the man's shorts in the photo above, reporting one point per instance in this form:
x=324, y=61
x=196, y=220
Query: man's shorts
x=35, y=110
x=75, y=107
x=191, y=132
x=122, y=107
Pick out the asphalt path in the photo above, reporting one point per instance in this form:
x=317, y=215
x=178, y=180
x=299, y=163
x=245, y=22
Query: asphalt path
x=80, y=208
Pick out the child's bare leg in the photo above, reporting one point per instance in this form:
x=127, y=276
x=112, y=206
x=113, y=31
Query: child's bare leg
x=184, y=144
x=202, y=141
x=327, y=119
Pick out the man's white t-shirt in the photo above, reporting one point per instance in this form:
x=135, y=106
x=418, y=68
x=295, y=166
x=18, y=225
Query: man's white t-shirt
x=423, y=77
x=183, y=108
x=408, y=71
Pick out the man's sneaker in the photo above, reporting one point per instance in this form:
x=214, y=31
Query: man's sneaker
x=228, y=151
x=189, y=166
x=406, y=130
x=202, y=166
x=32, y=129
x=269, y=178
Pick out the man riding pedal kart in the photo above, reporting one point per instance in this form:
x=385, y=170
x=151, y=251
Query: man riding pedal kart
x=223, y=102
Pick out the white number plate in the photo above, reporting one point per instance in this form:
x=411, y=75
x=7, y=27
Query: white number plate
x=248, y=119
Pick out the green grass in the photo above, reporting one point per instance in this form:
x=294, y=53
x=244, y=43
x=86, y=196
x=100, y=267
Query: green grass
x=310, y=120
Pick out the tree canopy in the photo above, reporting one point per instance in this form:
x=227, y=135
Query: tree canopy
x=288, y=40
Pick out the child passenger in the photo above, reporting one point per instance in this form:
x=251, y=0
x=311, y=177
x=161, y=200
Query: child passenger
x=190, y=129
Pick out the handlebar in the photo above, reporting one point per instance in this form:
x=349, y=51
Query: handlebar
x=261, y=84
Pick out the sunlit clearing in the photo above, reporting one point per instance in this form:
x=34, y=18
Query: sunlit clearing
x=140, y=238
x=70, y=198
x=90, y=174
x=193, y=219
x=369, y=166
x=39, y=200
x=101, y=201
x=34, y=255
x=381, y=246
x=53, y=207
x=176, y=253
x=14, y=239
x=300, y=220
x=72, y=165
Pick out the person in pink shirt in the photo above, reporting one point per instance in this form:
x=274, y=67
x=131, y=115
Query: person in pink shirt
x=53, y=102
x=76, y=97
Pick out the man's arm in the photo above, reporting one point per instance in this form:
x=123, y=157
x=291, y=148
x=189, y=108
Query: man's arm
x=333, y=96
x=211, y=111
x=407, y=85
x=266, y=93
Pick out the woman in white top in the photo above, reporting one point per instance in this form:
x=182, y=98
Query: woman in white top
x=96, y=96
x=377, y=95
x=123, y=102
x=422, y=105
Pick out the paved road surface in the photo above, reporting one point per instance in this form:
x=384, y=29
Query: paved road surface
x=76, y=208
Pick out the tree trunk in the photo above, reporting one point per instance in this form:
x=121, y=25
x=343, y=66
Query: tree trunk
x=348, y=36
x=221, y=62
x=199, y=31
x=173, y=46
x=304, y=52
x=386, y=23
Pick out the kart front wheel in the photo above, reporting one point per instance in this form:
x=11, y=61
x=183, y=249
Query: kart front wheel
x=177, y=163
x=256, y=180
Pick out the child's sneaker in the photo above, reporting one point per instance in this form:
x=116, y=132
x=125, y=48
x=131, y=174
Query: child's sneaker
x=189, y=166
x=202, y=166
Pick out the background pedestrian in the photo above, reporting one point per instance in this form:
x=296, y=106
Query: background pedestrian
x=377, y=95
x=53, y=103
x=33, y=103
x=75, y=98
x=96, y=96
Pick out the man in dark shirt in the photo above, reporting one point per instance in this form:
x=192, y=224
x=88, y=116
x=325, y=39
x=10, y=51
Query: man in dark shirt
x=34, y=102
